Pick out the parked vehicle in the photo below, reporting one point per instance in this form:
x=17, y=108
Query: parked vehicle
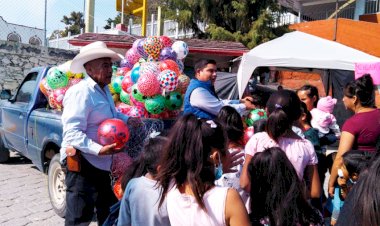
x=29, y=127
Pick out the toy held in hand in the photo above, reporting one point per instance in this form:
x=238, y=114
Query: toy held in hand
x=113, y=131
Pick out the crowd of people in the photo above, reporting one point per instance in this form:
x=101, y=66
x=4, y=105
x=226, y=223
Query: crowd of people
x=202, y=172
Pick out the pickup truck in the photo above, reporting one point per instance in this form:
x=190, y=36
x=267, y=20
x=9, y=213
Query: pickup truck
x=29, y=127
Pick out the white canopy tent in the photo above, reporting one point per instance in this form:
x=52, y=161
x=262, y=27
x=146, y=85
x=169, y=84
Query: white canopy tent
x=299, y=50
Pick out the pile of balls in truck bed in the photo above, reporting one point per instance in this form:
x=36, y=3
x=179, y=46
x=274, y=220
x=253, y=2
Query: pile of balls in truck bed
x=148, y=84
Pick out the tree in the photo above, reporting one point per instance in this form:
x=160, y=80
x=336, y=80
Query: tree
x=74, y=23
x=248, y=21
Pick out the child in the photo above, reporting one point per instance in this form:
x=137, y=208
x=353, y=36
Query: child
x=233, y=124
x=277, y=194
x=139, y=205
x=353, y=163
x=323, y=119
x=191, y=163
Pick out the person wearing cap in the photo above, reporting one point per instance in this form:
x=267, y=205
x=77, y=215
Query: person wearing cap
x=201, y=98
x=86, y=106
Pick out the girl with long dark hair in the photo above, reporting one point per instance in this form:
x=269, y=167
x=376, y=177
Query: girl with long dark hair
x=191, y=162
x=277, y=194
x=284, y=109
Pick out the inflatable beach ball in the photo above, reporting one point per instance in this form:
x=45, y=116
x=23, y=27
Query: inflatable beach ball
x=181, y=48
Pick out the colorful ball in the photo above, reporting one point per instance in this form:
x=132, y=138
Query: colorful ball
x=58, y=95
x=181, y=48
x=139, y=45
x=45, y=88
x=183, y=83
x=132, y=55
x=56, y=78
x=155, y=105
x=173, y=101
x=169, y=65
x=153, y=46
x=135, y=74
x=149, y=85
x=123, y=108
x=134, y=102
x=124, y=97
x=167, y=53
x=125, y=63
x=113, y=131
x=149, y=68
x=255, y=115
x=166, y=41
x=137, y=95
x=127, y=84
x=116, y=83
x=138, y=112
x=168, y=80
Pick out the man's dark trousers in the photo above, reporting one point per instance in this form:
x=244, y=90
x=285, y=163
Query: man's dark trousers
x=86, y=190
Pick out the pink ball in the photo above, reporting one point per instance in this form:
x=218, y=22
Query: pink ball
x=166, y=41
x=148, y=85
x=58, y=95
x=123, y=108
x=138, y=112
x=132, y=55
x=126, y=84
x=74, y=81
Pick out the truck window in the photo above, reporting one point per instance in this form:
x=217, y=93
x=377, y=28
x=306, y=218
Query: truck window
x=27, y=88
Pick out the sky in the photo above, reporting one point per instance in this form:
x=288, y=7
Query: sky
x=31, y=12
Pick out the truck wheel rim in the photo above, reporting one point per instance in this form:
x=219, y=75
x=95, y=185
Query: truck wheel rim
x=59, y=186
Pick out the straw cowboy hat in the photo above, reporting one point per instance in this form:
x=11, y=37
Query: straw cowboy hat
x=90, y=52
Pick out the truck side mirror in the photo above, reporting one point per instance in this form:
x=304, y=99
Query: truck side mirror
x=5, y=94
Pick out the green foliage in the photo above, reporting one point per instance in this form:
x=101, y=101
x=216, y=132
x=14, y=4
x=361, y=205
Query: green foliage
x=248, y=21
x=74, y=23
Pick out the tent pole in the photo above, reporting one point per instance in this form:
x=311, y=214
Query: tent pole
x=336, y=20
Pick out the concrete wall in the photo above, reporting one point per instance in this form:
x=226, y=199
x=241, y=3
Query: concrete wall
x=24, y=32
x=17, y=59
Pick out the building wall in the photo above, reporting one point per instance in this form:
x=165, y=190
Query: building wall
x=24, y=32
x=360, y=35
x=17, y=59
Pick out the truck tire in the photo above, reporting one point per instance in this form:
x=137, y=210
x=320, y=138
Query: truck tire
x=4, y=153
x=57, y=186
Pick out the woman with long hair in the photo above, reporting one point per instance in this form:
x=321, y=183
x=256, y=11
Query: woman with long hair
x=284, y=108
x=189, y=166
x=362, y=130
x=277, y=194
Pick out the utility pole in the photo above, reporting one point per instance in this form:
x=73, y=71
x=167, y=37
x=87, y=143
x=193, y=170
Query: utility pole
x=45, y=39
x=89, y=19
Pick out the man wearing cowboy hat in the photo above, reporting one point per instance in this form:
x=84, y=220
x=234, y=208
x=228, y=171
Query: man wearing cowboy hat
x=86, y=105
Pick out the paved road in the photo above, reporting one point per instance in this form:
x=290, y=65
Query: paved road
x=24, y=199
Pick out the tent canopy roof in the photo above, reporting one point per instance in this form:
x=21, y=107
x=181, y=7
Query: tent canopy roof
x=301, y=50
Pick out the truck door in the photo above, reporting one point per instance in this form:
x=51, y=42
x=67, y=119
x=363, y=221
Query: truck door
x=15, y=114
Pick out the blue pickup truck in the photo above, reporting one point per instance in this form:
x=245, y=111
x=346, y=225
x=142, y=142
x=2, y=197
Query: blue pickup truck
x=29, y=127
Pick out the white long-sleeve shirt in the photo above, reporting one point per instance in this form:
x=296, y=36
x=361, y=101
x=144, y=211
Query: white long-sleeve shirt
x=203, y=99
x=86, y=106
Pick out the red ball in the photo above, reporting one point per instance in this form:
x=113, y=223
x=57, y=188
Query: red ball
x=126, y=84
x=169, y=65
x=113, y=131
x=166, y=41
x=248, y=133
